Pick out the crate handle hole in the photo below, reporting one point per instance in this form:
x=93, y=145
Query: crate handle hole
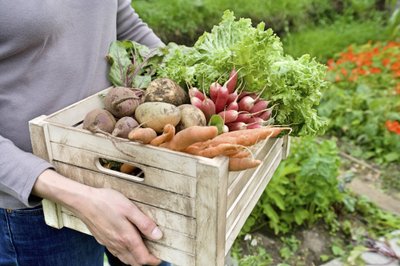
x=120, y=169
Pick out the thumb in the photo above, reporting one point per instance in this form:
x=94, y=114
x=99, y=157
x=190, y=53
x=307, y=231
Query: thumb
x=144, y=224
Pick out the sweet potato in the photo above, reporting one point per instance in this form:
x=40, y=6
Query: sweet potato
x=142, y=135
x=190, y=135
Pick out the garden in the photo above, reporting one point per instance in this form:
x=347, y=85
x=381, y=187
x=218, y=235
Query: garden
x=310, y=213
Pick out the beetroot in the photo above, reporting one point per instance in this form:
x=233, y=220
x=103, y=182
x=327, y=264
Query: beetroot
x=99, y=120
x=122, y=101
x=123, y=126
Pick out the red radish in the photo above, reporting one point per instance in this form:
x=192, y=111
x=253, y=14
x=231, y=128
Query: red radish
x=255, y=122
x=232, y=97
x=196, y=102
x=246, y=93
x=194, y=92
x=246, y=103
x=222, y=97
x=236, y=126
x=208, y=108
x=259, y=105
x=244, y=117
x=233, y=106
x=229, y=115
x=214, y=89
x=231, y=83
x=265, y=115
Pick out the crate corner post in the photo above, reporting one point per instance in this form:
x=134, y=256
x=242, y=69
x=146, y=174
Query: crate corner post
x=212, y=185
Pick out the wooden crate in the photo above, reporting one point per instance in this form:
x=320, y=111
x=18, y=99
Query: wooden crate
x=199, y=205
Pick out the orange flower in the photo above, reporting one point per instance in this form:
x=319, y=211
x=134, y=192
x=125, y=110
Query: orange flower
x=385, y=61
x=375, y=70
x=393, y=126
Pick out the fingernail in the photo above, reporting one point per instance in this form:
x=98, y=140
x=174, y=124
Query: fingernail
x=156, y=233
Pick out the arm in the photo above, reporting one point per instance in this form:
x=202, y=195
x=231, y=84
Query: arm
x=113, y=220
x=131, y=27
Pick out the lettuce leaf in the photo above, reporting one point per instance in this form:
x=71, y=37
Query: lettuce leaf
x=293, y=85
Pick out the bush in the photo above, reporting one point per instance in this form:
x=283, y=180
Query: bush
x=303, y=189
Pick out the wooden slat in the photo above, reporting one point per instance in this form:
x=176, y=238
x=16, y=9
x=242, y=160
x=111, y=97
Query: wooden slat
x=161, y=158
x=75, y=113
x=154, y=177
x=239, y=213
x=147, y=195
x=210, y=213
x=162, y=251
x=176, y=257
x=236, y=187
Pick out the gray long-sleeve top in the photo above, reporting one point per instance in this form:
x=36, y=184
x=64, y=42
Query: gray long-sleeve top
x=52, y=54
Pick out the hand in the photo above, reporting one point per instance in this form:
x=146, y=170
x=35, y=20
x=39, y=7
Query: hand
x=113, y=219
x=116, y=223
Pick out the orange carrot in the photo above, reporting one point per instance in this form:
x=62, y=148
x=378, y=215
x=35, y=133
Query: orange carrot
x=238, y=164
x=190, y=135
x=167, y=135
x=126, y=168
x=225, y=149
x=142, y=135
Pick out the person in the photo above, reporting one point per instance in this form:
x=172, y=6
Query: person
x=52, y=54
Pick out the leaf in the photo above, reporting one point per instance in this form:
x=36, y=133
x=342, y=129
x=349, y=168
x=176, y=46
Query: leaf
x=300, y=215
x=218, y=121
x=120, y=63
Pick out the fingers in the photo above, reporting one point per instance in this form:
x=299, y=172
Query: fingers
x=132, y=250
x=145, y=225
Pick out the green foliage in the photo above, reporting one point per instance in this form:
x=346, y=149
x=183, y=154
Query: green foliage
x=363, y=103
x=302, y=190
x=324, y=40
x=292, y=85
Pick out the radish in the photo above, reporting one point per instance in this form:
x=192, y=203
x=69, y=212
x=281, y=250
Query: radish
x=229, y=115
x=194, y=92
x=208, y=108
x=246, y=103
x=214, y=89
x=222, y=97
x=236, y=126
x=259, y=105
x=233, y=106
x=231, y=83
x=244, y=117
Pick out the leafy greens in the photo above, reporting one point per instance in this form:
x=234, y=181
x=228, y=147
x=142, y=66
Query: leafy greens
x=293, y=85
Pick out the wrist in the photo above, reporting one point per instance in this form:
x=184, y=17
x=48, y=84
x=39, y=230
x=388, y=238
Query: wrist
x=60, y=189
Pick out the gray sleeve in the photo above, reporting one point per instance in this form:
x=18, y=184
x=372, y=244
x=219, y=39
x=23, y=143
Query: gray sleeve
x=19, y=171
x=131, y=27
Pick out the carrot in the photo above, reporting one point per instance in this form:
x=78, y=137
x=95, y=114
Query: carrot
x=190, y=135
x=126, y=168
x=167, y=135
x=142, y=135
x=238, y=164
x=225, y=149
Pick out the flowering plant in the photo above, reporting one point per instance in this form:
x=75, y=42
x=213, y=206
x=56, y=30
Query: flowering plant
x=363, y=102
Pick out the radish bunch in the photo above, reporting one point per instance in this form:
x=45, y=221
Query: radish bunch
x=239, y=110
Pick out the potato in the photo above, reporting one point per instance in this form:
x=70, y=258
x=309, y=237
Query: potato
x=166, y=90
x=190, y=116
x=157, y=114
